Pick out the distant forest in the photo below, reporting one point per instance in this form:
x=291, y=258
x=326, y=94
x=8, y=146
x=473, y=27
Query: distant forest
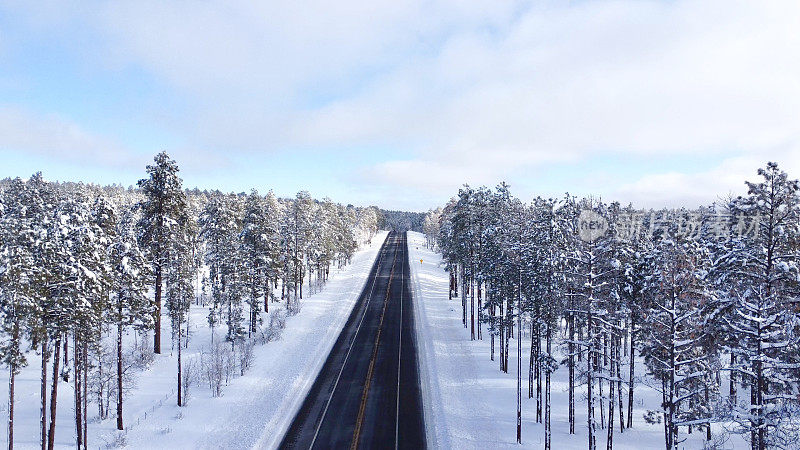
x=400, y=220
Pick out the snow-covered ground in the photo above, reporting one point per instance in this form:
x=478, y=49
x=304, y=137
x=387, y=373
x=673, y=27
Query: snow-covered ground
x=470, y=404
x=253, y=411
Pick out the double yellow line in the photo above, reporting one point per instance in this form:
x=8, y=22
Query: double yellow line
x=368, y=381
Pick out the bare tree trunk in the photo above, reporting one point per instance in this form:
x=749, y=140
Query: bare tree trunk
x=590, y=381
x=598, y=368
x=463, y=297
x=76, y=360
x=51, y=436
x=619, y=384
x=708, y=426
x=480, y=312
x=538, y=374
x=157, y=333
x=502, y=338
x=43, y=394
x=571, y=366
x=632, y=353
x=612, y=373
x=12, y=376
x=732, y=384
x=119, y=370
x=472, y=306
x=180, y=397
x=85, y=396
x=66, y=347
x=531, y=359
x=547, y=430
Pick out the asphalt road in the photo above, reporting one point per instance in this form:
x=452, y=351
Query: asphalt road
x=367, y=394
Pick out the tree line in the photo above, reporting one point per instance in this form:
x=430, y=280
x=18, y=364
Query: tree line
x=705, y=299
x=81, y=266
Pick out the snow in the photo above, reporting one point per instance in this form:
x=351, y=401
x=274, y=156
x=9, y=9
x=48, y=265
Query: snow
x=470, y=404
x=254, y=410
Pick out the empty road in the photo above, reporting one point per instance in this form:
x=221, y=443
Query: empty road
x=367, y=394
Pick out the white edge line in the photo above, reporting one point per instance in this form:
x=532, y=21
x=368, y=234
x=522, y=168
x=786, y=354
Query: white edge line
x=349, y=348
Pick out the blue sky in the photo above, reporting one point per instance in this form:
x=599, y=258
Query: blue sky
x=397, y=104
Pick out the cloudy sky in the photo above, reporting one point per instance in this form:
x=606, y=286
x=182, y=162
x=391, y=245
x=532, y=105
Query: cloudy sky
x=398, y=103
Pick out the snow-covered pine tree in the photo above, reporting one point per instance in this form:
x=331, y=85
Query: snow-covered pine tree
x=130, y=305
x=676, y=346
x=633, y=272
x=547, y=289
x=299, y=229
x=180, y=292
x=17, y=272
x=590, y=271
x=220, y=226
x=256, y=241
x=163, y=205
x=765, y=318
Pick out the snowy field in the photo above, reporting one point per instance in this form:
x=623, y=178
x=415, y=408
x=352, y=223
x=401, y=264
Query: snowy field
x=472, y=405
x=253, y=411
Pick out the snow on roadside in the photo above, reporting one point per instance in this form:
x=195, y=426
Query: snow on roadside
x=470, y=404
x=255, y=409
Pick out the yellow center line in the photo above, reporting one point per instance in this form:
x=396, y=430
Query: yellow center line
x=367, y=382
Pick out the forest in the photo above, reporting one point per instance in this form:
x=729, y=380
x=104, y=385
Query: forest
x=86, y=270
x=704, y=301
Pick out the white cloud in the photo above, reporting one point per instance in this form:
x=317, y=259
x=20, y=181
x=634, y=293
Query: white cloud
x=59, y=138
x=703, y=187
x=476, y=91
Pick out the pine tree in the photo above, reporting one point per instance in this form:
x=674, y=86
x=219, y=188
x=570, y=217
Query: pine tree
x=257, y=241
x=17, y=272
x=765, y=289
x=220, y=227
x=130, y=305
x=676, y=347
x=163, y=207
x=179, y=292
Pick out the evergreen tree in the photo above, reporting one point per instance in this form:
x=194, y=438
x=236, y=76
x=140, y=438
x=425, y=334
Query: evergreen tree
x=18, y=271
x=161, y=210
x=765, y=318
x=130, y=305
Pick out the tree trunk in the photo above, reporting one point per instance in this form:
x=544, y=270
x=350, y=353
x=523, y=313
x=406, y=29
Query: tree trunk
x=612, y=373
x=85, y=396
x=43, y=394
x=463, y=298
x=632, y=366
x=531, y=359
x=480, y=313
x=620, y=346
x=119, y=370
x=11, y=378
x=732, y=384
x=51, y=436
x=472, y=306
x=571, y=366
x=547, y=430
x=538, y=374
x=180, y=396
x=501, y=334
x=157, y=334
x=590, y=381
x=76, y=361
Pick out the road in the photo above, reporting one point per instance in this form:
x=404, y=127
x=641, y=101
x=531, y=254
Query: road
x=367, y=393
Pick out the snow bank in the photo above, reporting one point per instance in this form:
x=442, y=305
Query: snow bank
x=470, y=404
x=254, y=410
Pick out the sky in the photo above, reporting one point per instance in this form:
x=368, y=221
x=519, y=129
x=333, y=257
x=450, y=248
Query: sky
x=399, y=103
